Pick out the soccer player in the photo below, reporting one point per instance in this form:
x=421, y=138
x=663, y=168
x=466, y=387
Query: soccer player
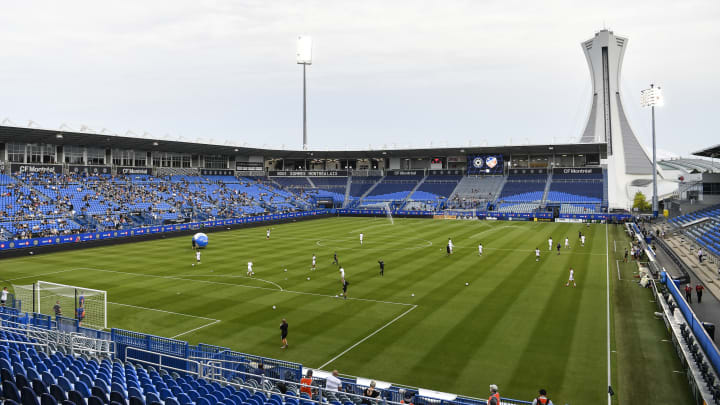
x=626, y=256
x=480, y=249
x=550, y=244
x=342, y=275
x=582, y=240
x=450, y=246
x=3, y=296
x=558, y=248
x=537, y=254
x=284, y=333
x=197, y=257
x=345, y=285
x=335, y=259
x=361, y=238
x=314, y=262
x=571, y=279
x=267, y=234
x=80, y=314
x=194, y=245
x=250, y=271
x=57, y=309
x=382, y=267
x=567, y=243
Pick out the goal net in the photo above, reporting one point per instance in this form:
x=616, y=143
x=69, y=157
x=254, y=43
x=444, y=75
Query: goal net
x=388, y=213
x=87, y=305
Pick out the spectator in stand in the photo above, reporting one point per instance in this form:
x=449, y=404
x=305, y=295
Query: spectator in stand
x=699, y=291
x=494, y=395
x=333, y=382
x=306, y=383
x=688, y=293
x=370, y=394
x=542, y=399
x=700, y=255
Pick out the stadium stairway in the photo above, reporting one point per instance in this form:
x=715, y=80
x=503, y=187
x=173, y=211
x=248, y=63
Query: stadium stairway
x=408, y=197
x=708, y=271
x=366, y=193
x=347, y=192
x=543, y=203
x=311, y=182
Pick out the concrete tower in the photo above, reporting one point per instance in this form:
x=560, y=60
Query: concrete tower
x=628, y=164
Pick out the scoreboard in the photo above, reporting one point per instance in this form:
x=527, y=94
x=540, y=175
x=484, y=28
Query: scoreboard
x=485, y=164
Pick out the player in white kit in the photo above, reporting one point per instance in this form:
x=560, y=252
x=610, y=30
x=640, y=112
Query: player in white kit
x=197, y=257
x=550, y=244
x=450, y=246
x=567, y=243
x=361, y=238
x=250, y=271
x=582, y=240
x=342, y=275
x=571, y=279
x=537, y=254
x=314, y=263
x=267, y=234
x=480, y=249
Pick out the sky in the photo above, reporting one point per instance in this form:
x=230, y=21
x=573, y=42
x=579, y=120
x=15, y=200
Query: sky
x=401, y=73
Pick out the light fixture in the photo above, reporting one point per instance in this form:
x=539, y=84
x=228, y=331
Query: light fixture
x=155, y=144
x=59, y=136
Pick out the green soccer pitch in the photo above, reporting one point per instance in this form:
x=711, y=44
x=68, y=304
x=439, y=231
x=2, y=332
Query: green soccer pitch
x=515, y=324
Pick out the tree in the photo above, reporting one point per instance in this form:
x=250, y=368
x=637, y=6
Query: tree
x=640, y=202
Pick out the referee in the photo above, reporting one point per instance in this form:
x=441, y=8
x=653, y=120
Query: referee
x=382, y=267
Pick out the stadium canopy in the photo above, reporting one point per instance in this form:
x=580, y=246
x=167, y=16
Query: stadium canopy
x=37, y=135
x=711, y=152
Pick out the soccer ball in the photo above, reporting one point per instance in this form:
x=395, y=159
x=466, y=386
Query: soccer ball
x=285, y=269
x=467, y=283
x=412, y=295
x=193, y=264
x=201, y=240
x=273, y=306
x=308, y=278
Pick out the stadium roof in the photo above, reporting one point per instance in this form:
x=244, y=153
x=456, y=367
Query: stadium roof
x=713, y=151
x=690, y=165
x=37, y=135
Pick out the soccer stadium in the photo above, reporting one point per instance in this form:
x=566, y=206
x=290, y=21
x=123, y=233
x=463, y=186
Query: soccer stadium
x=151, y=270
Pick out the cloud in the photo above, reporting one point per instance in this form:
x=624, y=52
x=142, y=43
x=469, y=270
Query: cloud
x=384, y=72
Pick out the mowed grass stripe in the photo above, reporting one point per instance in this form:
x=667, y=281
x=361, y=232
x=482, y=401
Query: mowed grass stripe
x=458, y=339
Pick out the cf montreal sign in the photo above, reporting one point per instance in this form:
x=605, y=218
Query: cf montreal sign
x=30, y=168
x=132, y=170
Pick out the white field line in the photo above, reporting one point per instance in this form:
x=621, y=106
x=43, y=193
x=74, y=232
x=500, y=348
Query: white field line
x=213, y=321
x=607, y=308
x=614, y=245
x=232, y=276
x=163, y=311
x=617, y=263
x=238, y=285
x=38, y=275
x=193, y=330
x=368, y=337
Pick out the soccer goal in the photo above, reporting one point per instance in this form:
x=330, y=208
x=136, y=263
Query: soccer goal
x=388, y=213
x=70, y=299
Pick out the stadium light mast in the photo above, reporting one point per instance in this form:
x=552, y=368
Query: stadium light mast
x=652, y=98
x=304, y=58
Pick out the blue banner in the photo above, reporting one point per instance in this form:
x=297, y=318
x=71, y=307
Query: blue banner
x=91, y=236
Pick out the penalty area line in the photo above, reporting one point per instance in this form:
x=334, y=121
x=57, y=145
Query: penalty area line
x=368, y=337
x=193, y=330
x=213, y=321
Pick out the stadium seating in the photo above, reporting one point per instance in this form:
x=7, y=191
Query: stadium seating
x=576, y=188
x=436, y=187
x=706, y=233
x=523, y=188
x=393, y=188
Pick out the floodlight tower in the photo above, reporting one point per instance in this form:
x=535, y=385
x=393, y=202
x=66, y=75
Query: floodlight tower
x=304, y=58
x=652, y=97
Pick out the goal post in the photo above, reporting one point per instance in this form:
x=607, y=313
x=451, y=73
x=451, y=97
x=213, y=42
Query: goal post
x=70, y=299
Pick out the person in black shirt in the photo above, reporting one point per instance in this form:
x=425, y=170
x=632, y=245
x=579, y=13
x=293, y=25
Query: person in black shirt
x=284, y=333
x=382, y=267
x=369, y=394
x=345, y=284
x=335, y=260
